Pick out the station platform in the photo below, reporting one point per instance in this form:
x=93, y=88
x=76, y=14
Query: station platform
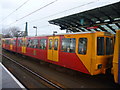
x=8, y=80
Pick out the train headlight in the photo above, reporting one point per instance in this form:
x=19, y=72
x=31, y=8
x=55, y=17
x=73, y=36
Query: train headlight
x=99, y=66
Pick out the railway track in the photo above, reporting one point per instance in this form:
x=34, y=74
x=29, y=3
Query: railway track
x=54, y=74
x=49, y=82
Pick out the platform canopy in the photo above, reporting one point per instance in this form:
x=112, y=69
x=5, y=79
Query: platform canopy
x=106, y=18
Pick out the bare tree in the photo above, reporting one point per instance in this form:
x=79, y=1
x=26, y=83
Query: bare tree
x=5, y=32
x=12, y=32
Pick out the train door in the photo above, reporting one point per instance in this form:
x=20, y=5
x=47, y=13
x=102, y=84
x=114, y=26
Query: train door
x=53, y=48
x=24, y=45
x=11, y=44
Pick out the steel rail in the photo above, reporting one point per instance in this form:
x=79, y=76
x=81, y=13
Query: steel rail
x=34, y=73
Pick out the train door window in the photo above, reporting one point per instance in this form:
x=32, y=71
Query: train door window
x=100, y=46
x=50, y=44
x=109, y=46
x=23, y=43
x=35, y=43
x=56, y=44
x=82, y=46
x=68, y=45
x=43, y=44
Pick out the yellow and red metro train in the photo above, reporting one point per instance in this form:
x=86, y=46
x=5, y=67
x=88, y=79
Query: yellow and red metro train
x=87, y=52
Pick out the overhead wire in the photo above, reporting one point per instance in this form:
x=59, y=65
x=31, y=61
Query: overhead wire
x=52, y=14
x=34, y=12
x=37, y=10
x=15, y=10
x=65, y=11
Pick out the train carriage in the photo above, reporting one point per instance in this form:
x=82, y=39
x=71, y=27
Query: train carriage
x=87, y=52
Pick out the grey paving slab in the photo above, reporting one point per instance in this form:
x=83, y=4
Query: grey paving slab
x=9, y=81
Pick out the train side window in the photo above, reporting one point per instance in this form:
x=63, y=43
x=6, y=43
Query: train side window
x=82, y=46
x=11, y=42
x=72, y=45
x=29, y=43
x=100, y=46
x=14, y=42
x=19, y=43
x=68, y=45
x=109, y=46
x=7, y=42
x=50, y=44
x=43, y=44
x=35, y=43
x=56, y=44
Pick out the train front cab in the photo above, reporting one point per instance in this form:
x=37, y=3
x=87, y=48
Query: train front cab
x=103, y=53
x=99, y=54
x=116, y=58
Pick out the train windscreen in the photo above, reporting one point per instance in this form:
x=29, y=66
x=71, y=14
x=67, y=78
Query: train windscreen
x=104, y=46
x=109, y=46
x=100, y=46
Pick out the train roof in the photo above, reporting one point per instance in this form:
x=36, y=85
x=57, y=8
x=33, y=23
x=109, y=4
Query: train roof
x=63, y=34
x=71, y=33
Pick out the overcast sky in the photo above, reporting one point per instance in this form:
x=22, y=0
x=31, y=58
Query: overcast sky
x=17, y=12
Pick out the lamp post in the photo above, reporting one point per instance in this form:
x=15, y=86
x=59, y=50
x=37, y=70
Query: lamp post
x=36, y=30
